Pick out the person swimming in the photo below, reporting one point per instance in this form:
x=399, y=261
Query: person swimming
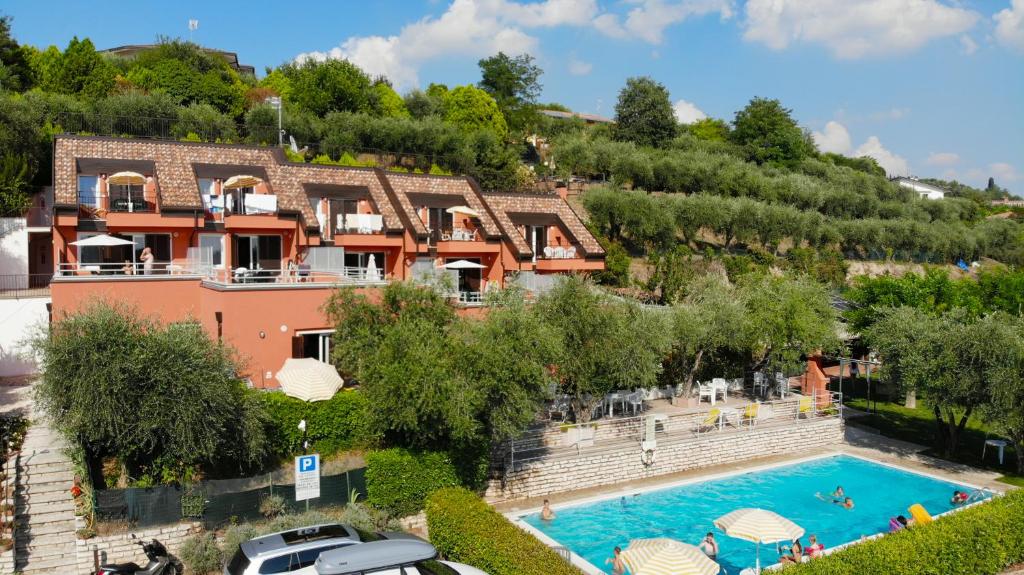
x=709, y=546
x=846, y=503
x=618, y=567
x=959, y=498
x=546, y=513
x=837, y=496
x=791, y=553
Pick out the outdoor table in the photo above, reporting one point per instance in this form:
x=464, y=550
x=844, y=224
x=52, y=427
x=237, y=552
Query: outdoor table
x=724, y=413
x=999, y=443
x=611, y=398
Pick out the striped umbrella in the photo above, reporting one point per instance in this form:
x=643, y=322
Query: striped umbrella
x=308, y=379
x=759, y=526
x=664, y=556
x=241, y=181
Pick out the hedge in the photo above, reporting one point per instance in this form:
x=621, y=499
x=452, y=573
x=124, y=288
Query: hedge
x=466, y=529
x=398, y=481
x=981, y=540
x=334, y=425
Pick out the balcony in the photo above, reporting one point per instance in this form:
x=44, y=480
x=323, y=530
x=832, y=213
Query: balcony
x=240, y=203
x=96, y=206
x=124, y=270
x=298, y=277
x=359, y=224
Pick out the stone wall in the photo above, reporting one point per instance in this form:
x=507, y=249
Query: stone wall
x=617, y=465
x=121, y=547
x=7, y=500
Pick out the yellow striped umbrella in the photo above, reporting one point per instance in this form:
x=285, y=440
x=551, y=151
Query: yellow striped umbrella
x=126, y=179
x=664, y=556
x=759, y=526
x=241, y=181
x=308, y=379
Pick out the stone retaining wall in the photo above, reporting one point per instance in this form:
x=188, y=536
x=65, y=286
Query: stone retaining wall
x=622, y=464
x=121, y=547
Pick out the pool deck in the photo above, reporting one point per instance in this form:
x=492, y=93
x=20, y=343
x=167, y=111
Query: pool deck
x=857, y=442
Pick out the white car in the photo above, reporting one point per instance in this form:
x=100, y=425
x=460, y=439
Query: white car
x=298, y=552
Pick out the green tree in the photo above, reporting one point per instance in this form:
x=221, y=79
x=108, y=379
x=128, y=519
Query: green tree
x=17, y=73
x=328, y=86
x=604, y=345
x=643, y=114
x=514, y=83
x=15, y=175
x=422, y=105
x=934, y=292
x=710, y=130
x=105, y=363
x=769, y=133
x=83, y=71
x=950, y=360
x=1005, y=409
x=472, y=109
x=205, y=121
x=385, y=102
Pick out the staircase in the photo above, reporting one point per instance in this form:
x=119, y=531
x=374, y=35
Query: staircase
x=44, y=508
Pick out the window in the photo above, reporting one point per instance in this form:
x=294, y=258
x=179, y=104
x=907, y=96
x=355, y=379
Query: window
x=127, y=198
x=89, y=190
x=280, y=564
x=361, y=260
x=537, y=237
x=316, y=345
x=258, y=252
x=211, y=250
x=308, y=557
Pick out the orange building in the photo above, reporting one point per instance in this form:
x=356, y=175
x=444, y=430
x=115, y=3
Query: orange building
x=251, y=245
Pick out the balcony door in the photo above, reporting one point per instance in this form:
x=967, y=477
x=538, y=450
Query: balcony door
x=537, y=237
x=439, y=221
x=258, y=252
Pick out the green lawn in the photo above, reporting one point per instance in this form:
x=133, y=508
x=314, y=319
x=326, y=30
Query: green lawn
x=918, y=426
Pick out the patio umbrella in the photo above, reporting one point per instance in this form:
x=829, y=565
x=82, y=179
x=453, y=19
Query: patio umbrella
x=241, y=181
x=372, y=273
x=759, y=526
x=664, y=556
x=463, y=265
x=102, y=240
x=309, y=379
x=126, y=179
x=463, y=210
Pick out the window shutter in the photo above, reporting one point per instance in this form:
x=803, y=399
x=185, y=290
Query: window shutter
x=297, y=347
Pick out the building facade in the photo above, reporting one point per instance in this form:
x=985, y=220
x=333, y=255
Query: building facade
x=251, y=245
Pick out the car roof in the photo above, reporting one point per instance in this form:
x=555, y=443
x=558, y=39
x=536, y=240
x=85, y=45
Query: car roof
x=374, y=555
x=299, y=539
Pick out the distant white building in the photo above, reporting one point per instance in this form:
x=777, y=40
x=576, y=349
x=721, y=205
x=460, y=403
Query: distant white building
x=926, y=191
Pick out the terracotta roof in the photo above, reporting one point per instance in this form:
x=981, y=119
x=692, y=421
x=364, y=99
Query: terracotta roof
x=177, y=186
x=517, y=203
x=406, y=184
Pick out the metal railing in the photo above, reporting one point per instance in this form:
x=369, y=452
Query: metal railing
x=38, y=217
x=471, y=298
x=554, y=440
x=123, y=270
x=131, y=202
x=18, y=286
x=298, y=276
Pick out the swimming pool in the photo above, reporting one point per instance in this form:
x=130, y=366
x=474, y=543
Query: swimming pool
x=686, y=512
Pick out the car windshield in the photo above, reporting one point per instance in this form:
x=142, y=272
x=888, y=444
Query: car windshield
x=238, y=563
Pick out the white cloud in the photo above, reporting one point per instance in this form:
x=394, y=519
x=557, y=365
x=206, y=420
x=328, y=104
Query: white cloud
x=942, y=159
x=649, y=19
x=578, y=67
x=1010, y=25
x=468, y=27
x=687, y=112
x=1003, y=172
x=968, y=45
x=834, y=138
x=853, y=29
x=894, y=165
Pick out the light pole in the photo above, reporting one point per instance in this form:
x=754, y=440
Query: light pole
x=275, y=102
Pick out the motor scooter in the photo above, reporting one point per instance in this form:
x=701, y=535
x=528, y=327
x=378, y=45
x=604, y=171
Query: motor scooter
x=160, y=562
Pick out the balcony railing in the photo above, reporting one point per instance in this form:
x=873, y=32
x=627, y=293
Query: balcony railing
x=123, y=270
x=558, y=253
x=452, y=235
x=130, y=202
x=471, y=298
x=37, y=217
x=299, y=276
x=24, y=285
x=359, y=224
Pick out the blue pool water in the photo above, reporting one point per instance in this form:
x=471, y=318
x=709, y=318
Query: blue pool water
x=686, y=512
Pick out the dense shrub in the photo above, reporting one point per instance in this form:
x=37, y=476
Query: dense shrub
x=399, y=481
x=334, y=425
x=464, y=528
x=983, y=540
x=200, y=554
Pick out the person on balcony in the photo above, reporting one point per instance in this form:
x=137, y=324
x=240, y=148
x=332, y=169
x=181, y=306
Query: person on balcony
x=128, y=269
x=147, y=261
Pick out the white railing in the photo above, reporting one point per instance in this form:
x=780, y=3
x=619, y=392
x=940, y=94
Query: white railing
x=559, y=253
x=123, y=270
x=299, y=276
x=359, y=223
x=471, y=298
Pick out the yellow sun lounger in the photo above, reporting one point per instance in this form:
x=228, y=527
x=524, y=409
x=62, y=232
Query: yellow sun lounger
x=920, y=514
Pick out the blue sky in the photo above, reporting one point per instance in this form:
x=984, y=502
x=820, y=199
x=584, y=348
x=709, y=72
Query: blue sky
x=928, y=87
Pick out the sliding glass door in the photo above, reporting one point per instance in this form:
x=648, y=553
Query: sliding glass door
x=258, y=252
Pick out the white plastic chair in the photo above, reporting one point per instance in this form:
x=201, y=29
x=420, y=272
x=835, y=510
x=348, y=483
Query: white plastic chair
x=570, y=252
x=636, y=401
x=549, y=252
x=705, y=390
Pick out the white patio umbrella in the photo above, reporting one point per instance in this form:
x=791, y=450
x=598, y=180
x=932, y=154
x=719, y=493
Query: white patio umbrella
x=102, y=240
x=126, y=179
x=241, y=181
x=309, y=379
x=463, y=265
x=663, y=556
x=463, y=210
x=759, y=526
x=372, y=273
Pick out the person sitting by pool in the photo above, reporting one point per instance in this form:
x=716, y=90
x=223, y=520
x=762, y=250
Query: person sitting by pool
x=815, y=549
x=898, y=523
x=791, y=553
x=959, y=498
x=618, y=567
x=709, y=546
x=546, y=513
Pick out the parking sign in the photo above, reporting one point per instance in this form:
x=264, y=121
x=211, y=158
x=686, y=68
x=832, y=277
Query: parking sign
x=307, y=477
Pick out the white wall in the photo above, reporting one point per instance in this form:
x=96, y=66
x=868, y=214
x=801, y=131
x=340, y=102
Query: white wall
x=19, y=319
x=14, y=250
